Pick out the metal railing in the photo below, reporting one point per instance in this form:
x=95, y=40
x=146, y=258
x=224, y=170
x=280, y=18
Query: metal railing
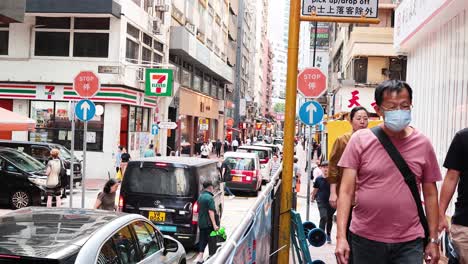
x=272, y=191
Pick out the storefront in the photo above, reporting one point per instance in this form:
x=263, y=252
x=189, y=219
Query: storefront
x=123, y=117
x=434, y=36
x=200, y=120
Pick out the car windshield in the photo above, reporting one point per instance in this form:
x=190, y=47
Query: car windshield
x=240, y=163
x=278, y=142
x=262, y=154
x=64, y=152
x=23, y=161
x=158, y=180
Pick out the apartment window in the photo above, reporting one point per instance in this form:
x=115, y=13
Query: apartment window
x=221, y=92
x=133, y=31
x=52, y=44
x=146, y=56
x=360, y=70
x=92, y=23
x=157, y=59
x=158, y=46
x=206, y=84
x=4, y=37
x=90, y=37
x=147, y=40
x=197, y=80
x=91, y=45
x=132, y=51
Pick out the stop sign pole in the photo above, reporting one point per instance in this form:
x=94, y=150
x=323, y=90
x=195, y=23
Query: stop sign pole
x=86, y=84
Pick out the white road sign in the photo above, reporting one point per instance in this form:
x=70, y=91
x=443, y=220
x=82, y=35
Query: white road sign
x=167, y=125
x=341, y=8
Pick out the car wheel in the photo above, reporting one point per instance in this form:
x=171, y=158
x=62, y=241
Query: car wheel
x=20, y=199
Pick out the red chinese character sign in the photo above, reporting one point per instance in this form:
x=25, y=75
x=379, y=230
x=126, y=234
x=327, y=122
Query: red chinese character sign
x=347, y=98
x=312, y=83
x=86, y=84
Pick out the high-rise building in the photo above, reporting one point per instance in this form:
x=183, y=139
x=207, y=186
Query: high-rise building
x=201, y=52
x=41, y=55
x=278, y=24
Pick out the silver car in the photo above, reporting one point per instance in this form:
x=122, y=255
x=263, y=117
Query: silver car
x=83, y=236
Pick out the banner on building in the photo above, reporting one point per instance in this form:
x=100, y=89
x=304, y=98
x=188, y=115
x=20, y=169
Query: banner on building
x=322, y=36
x=159, y=82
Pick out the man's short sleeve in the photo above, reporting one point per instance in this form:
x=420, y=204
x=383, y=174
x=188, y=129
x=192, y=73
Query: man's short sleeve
x=431, y=170
x=454, y=159
x=317, y=182
x=351, y=157
x=211, y=205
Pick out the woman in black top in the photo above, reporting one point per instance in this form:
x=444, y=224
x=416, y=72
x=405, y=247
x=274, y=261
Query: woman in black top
x=125, y=158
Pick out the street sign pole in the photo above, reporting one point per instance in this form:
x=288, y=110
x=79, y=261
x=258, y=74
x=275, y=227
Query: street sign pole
x=84, y=165
x=72, y=160
x=284, y=242
x=310, y=155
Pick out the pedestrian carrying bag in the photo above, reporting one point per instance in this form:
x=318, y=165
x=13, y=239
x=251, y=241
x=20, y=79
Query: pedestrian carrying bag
x=407, y=174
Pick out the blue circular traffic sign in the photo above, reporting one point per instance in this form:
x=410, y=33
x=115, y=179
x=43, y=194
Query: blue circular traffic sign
x=85, y=110
x=311, y=113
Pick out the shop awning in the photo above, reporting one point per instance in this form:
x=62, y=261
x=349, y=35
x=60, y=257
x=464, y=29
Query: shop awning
x=11, y=121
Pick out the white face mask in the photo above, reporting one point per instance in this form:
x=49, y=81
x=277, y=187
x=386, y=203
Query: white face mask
x=397, y=120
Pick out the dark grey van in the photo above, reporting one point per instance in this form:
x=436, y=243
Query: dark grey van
x=166, y=190
x=41, y=152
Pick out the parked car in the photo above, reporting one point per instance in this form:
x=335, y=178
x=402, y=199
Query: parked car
x=279, y=143
x=22, y=179
x=245, y=171
x=265, y=155
x=274, y=148
x=166, y=190
x=66, y=235
x=41, y=152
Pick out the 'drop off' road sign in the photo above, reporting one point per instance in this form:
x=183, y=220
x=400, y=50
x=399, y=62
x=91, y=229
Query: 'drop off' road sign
x=311, y=82
x=341, y=8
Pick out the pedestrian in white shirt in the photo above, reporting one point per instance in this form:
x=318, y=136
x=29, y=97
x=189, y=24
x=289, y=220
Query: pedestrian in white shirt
x=205, y=151
x=235, y=144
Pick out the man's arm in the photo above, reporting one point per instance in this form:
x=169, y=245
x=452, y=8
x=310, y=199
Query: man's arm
x=213, y=219
x=432, y=214
x=448, y=189
x=313, y=194
x=345, y=198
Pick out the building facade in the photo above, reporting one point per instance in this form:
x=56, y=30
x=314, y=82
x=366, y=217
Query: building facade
x=116, y=40
x=362, y=56
x=201, y=52
x=434, y=36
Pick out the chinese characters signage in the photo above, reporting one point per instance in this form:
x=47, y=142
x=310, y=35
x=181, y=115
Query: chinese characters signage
x=341, y=8
x=348, y=98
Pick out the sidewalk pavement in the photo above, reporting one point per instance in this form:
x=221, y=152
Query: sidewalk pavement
x=326, y=253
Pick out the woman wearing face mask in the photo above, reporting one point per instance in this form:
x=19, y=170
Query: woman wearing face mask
x=359, y=120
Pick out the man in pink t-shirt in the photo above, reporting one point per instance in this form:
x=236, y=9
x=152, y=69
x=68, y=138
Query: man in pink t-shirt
x=385, y=225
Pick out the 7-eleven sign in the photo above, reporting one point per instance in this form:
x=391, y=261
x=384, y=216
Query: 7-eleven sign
x=158, y=82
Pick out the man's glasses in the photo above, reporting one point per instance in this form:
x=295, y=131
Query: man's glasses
x=396, y=107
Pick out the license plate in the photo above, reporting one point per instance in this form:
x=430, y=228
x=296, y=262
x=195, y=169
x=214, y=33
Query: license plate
x=236, y=179
x=157, y=216
x=164, y=228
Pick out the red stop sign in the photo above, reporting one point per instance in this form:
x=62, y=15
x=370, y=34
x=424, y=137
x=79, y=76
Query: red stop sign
x=86, y=84
x=311, y=82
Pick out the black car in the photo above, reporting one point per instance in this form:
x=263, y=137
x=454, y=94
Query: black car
x=166, y=190
x=41, y=152
x=21, y=179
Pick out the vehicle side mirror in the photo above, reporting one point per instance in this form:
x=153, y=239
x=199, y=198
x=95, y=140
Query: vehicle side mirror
x=170, y=246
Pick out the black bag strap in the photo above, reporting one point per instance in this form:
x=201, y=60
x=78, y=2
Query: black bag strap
x=407, y=174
